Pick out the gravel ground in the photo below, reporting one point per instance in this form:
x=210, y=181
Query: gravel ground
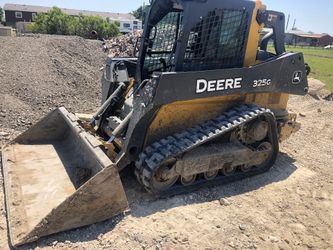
x=288, y=208
x=43, y=72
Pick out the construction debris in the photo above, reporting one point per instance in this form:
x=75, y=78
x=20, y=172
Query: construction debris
x=123, y=46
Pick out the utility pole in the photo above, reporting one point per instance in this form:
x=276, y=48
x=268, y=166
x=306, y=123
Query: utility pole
x=294, y=26
x=288, y=22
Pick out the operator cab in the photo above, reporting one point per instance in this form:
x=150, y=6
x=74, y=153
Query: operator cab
x=192, y=36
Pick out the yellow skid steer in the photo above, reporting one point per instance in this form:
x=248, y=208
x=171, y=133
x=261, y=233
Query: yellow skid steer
x=203, y=102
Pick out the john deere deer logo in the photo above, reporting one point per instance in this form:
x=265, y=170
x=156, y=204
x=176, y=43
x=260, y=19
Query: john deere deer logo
x=297, y=78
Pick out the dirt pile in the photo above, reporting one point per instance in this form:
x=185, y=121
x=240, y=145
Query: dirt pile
x=42, y=72
x=123, y=46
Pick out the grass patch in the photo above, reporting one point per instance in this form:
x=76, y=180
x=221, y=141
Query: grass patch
x=321, y=63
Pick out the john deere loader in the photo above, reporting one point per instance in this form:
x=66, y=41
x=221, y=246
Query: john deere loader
x=203, y=102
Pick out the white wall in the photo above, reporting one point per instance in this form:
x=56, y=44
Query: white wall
x=130, y=25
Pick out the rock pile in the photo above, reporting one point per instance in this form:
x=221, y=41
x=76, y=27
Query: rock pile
x=41, y=73
x=123, y=46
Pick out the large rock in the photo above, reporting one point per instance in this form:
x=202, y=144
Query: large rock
x=317, y=89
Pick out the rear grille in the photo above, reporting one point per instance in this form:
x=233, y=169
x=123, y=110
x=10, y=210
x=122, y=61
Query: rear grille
x=217, y=41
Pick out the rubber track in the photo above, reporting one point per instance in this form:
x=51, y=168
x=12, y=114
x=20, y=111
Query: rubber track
x=176, y=145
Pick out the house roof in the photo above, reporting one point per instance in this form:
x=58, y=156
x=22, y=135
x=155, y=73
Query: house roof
x=72, y=12
x=296, y=32
x=313, y=35
x=301, y=33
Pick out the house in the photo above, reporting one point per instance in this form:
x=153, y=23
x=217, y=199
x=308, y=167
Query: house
x=300, y=38
x=15, y=13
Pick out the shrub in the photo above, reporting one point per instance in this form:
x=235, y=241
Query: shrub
x=57, y=22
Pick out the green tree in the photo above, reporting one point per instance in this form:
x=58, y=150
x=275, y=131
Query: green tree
x=104, y=29
x=57, y=22
x=53, y=22
x=140, y=13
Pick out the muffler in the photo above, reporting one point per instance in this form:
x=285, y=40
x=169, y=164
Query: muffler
x=57, y=178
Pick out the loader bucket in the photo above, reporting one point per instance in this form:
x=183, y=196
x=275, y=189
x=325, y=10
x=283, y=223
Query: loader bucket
x=57, y=178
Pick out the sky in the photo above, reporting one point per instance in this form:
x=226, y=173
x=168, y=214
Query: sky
x=315, y=16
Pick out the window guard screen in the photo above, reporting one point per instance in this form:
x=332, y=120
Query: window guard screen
x=161, y=54
x=217, y=41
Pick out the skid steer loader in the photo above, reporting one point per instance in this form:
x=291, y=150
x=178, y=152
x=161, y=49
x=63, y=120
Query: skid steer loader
x=204, y=102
